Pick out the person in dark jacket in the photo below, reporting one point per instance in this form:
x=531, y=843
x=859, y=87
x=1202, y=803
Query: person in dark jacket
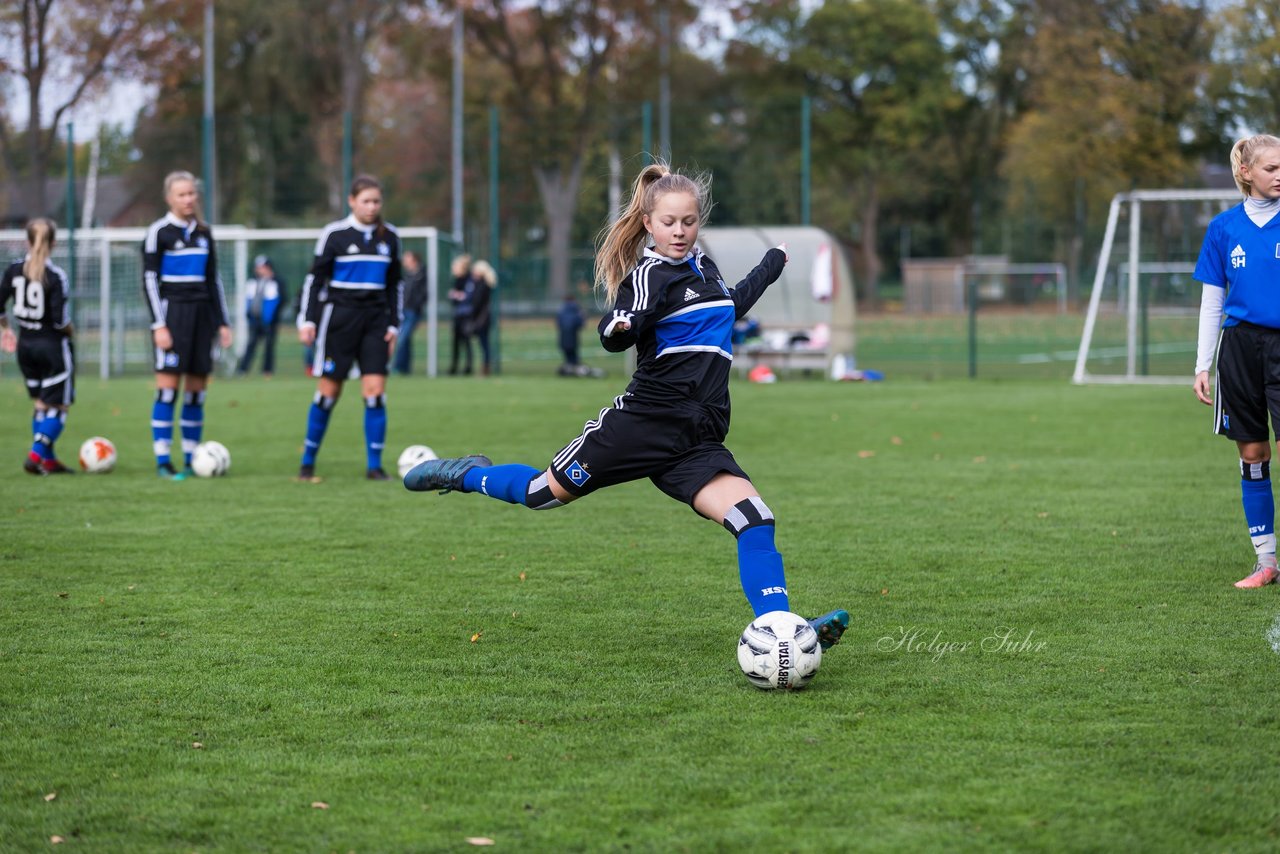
x=462, y=296
x=485, y=279
x=415, y=306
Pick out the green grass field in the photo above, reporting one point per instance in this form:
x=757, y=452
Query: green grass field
x=1046, y=650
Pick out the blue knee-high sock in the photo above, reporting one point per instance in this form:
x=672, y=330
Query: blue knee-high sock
x=759, y=563
x=1259, y=506
x=375, y=429
x=162, y=424
x=317, y=423
x=509, y=483
x=192, y=423
x=47, y=431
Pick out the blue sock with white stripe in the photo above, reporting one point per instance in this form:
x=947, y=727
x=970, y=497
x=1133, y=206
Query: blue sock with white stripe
x=162, y=424
x=1259, y=508
x=317, y=423
x=192, y=423
x=375, y=429
x=47, y=431
x=759, y=563
x=509, y=483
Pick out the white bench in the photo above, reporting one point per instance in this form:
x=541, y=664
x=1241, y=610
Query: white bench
x=782, y=360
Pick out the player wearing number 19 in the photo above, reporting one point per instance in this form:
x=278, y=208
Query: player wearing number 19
x=38, y=289
x=188, y=308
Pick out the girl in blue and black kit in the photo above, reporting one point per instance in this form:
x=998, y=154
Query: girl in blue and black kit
x=1239, y=265
x=42, y=313
x=670, y=423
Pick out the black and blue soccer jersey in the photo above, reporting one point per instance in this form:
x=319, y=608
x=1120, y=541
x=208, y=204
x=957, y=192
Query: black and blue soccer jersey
x=39, y=308
x=356, y=265
x=681, y=315
x=1244, y=258
x=180, y=264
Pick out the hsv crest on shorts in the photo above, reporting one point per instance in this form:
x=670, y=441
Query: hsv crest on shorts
x=577, y=473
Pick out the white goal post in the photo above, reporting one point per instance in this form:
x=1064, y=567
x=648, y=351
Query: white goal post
x=112, y=320
x=1132, y=301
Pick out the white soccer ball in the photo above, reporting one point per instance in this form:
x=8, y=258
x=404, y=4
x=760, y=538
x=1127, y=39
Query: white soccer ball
x=413, y=455
x=211, y=459
x=97, y=455
x=779, y=650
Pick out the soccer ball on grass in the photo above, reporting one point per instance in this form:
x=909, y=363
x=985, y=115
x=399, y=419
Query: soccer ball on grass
x=779, y=650
x=413, y=455
x=97, y=455
x=210, y=459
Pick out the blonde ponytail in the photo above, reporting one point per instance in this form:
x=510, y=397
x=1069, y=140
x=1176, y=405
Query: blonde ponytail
x=1245, y=153
x=619, y=244
x=41, y=233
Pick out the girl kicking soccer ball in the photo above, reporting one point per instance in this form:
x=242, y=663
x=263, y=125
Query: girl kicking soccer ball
x=670, y=423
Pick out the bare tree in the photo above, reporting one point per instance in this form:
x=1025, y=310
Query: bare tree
x=59, y=57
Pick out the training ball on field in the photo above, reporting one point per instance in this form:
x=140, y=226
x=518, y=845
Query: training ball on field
x=210, y=459
x=779, y=650
x=413, y=455
x=97, y=455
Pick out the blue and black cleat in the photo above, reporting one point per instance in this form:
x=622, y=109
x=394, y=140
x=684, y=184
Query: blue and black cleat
x=445, y=475
x=830, y=627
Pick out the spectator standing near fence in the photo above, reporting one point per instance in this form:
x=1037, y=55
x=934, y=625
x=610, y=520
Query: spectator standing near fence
x=484, y=279
x=1239, y=268
x=189, y=318
x=462, y=296
x=415, y=305
x=265, y=296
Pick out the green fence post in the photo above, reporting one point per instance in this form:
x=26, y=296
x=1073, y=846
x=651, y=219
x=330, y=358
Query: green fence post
x=495, y=235
x=71, y=203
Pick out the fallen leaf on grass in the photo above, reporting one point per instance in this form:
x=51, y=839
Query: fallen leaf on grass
x=1042, y=515
x=895, y=440
x=476, y=636
x=884, y=591
x=479, y=840
x=522, y=576
x=979, y=459
x=319, y=805
x=51, y=796
x=56, y=840
x=63, y=595
x=862, y=455
x=196, y=745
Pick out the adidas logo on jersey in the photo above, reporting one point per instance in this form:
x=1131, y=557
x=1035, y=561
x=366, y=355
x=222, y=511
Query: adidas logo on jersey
x=1237, y=257
x=689, y=294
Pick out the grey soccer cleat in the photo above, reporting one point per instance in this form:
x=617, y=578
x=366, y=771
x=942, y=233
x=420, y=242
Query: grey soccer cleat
x=445, y=475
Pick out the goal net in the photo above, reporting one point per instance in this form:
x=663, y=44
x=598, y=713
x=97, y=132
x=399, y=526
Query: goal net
x=110, y=315
x=1144, y=307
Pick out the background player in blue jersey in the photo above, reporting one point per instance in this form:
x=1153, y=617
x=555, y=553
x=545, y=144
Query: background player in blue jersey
x=41, y=310
x=1239, y=265
x=189, y=317
x=351, y=309
x=671, y=422
x=265, y=296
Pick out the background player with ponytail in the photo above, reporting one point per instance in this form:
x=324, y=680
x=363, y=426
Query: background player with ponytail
x=189, y=317
x=670, y=303
x=42, y=313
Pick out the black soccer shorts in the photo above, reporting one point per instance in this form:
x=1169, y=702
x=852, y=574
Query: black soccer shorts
x=676, y=445
x=1248, y=384
x=348, y=335
x=48, y=363
x=194, y=328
